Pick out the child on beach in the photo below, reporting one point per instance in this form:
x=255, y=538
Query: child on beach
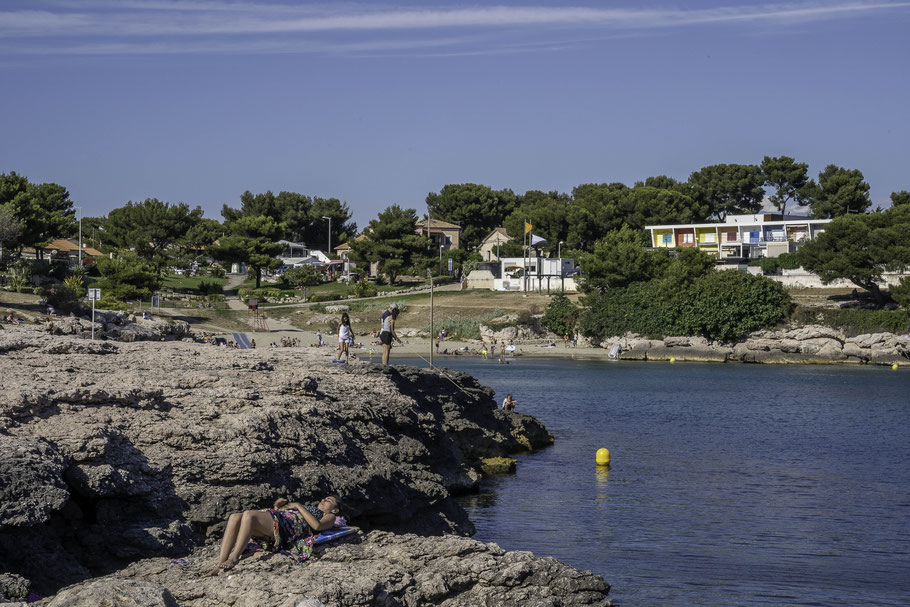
x=345, y=337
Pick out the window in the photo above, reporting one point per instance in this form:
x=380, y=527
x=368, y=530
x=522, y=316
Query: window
x=709, y=237
x=688, y=238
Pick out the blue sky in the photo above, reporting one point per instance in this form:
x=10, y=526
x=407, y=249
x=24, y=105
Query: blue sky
x=199, y=100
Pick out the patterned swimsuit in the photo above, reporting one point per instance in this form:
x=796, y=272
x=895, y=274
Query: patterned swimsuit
x=292, y=535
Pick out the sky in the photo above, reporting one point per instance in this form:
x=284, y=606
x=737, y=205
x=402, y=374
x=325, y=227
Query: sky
x=378, y=103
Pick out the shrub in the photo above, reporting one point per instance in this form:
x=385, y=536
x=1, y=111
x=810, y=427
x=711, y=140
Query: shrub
x=209, y=288
x=728, y=305
x=127, y=277
x=561, y=315
x=76, y=284
x=719, y=305
x=901, y=293
x=856, y=321
x=364, y=289
x=788, y=261
x=768, y=265
x=60, y=297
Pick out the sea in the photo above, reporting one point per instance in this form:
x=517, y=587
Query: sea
x=730, y=484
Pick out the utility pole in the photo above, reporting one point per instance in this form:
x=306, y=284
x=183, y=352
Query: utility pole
x=329, y=252
x=432, y=329
x=80, y=235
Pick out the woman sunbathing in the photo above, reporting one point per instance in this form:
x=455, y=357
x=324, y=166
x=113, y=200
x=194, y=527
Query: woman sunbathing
x=279, y=527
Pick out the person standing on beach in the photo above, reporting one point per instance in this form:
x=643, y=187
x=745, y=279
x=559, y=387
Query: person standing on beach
x=345, y=337
x=388, y=331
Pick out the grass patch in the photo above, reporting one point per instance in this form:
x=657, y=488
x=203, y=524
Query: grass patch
x=463, y=328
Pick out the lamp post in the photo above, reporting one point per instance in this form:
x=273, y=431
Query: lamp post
x=440, y=259
x=330, y=234
x=80, y=235
x=559, y=249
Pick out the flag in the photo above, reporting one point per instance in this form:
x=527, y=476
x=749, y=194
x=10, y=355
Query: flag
x=537, y=240
x=528, y=227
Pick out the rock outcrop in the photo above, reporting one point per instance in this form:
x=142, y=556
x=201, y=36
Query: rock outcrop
x=809, y=344
x=112, y=453
x=120, y=326
x=378, y=568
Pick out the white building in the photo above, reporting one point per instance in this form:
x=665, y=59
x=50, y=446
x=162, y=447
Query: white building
x=542, y=274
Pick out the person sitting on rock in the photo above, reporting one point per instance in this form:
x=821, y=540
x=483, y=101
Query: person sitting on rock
x=281, y=527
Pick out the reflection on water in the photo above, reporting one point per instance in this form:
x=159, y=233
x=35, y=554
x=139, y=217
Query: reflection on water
x=730, y=484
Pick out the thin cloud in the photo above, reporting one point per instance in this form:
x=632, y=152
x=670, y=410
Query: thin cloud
x=136, y=26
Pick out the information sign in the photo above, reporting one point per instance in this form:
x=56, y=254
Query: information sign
x=94, y=294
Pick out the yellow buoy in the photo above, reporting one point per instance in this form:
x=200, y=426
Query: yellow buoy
x=603, y=457
x=672, y=360
x=894, y=366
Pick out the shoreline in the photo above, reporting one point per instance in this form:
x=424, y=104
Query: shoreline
x=652, y=353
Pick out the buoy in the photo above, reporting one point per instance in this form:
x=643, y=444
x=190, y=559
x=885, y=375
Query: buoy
x=672, y=360
x=894, y=367
x=603, y=457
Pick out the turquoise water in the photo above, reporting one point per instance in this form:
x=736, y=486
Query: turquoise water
x=730, y=484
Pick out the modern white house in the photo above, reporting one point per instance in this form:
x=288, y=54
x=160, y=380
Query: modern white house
x=298, y=254
x=542, y=274
x=740, y=236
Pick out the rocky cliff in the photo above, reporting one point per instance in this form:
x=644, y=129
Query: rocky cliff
x=112, y=454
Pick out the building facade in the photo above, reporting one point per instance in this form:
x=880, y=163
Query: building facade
x=740, y=236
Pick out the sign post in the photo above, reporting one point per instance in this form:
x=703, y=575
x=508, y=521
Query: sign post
x=94, y=295
x=450, y=266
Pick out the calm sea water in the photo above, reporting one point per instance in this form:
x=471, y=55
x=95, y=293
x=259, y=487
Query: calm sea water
x=730, y=484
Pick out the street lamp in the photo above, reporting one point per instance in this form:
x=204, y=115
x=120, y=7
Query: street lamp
x=330, y=234
x=559, y=249
x=440, y=260
x=80, y=235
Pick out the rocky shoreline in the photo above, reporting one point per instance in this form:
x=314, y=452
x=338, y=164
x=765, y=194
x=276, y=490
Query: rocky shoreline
x=123, y=460
x=813, y=344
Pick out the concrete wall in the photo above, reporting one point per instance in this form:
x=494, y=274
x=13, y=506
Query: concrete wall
x=800, y=279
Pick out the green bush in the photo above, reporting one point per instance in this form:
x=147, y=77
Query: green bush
x=720, y=305
x=768, y=265
x=855, y=321
x=364, y=289
x=127, y=277
x=788, y=261
x=59, y=296
x=561, y=315
x=900, y=293
x=209, y=288
x=76, y=284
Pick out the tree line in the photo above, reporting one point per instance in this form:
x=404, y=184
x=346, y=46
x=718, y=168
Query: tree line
x=591, y=211
x=163, y=234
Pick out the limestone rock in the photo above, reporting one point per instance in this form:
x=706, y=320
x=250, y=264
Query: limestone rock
x=31, y=481
x=378, y=568
x=113, y=592
x=144, y=451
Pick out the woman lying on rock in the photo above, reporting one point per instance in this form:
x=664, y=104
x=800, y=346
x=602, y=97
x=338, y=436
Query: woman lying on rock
x=284, y=527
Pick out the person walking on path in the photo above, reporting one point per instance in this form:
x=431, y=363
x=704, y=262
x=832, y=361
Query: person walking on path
x=388, y=331
x=345, y=337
